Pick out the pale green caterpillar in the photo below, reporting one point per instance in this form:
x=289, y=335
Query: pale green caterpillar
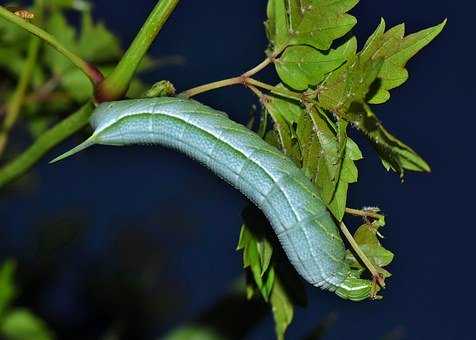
x=289, y=200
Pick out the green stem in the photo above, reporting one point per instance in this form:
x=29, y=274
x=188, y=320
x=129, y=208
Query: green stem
x=365, y=260
x=244, y=79
x=89, y=70
x=46, y=142
x=17, y=99
x=116, y=85
x=257, y=92
x=257, y=68
x=280, y=92
x=240, y=81
x=211, y=86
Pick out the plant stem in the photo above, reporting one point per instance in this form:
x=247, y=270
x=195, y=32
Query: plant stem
x=239, y=81
x=17, y=99
x=89, y=70
x=116, y=85
x=244, y=79
x=362, y=255
x=363, y=213
x=273, y=89
x=212, y=86
x=257, y=92
x=257, y=68
x=44, y=143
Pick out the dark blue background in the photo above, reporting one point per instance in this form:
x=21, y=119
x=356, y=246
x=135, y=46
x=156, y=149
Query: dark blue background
x=153, y=218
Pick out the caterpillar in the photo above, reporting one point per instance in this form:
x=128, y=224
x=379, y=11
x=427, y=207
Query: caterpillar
x=298, y=216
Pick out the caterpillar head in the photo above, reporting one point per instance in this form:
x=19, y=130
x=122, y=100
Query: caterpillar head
x=356, y=289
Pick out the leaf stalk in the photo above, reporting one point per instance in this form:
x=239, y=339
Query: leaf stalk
x=212, y=86
x=245, y=79
x=365, y=260
x=261, y=66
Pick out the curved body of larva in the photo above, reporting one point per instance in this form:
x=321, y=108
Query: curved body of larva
x=289, y=200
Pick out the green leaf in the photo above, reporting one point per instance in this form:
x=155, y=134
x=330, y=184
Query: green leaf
x=316, y=23
x=13, y=36
x=21, y=324
x=96, y=44
x=7, y=285
x=328, y=157
x=349, y=84
x=290, y=110
x=194, y=332
x=395, y=155
x=348, y=174
x=309, y=146
x=14, y=43
x=302, y=66
x=346, y=92
x=58, y=26
x=283, y=309
x=268, y=274
x=281, y=111
x=77, y=84
x=395, y=49
x=367, y=237
x=257, y=253
x=276, y=25
x=12, y=60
